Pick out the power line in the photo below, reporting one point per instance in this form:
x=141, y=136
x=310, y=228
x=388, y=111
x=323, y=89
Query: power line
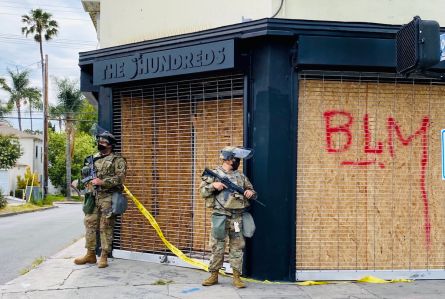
x=40, y=4
x=58, y=18
x=57, y=40
x=53, y=119
x=23, y=42
x=73, y=10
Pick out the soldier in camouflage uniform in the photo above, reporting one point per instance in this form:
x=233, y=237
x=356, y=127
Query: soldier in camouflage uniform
x=227, y=213
x=110, y=173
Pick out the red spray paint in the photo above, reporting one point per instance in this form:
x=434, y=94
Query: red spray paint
x=392, y=127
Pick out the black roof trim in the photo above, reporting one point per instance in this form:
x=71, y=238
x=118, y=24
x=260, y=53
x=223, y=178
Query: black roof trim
x=263, y=27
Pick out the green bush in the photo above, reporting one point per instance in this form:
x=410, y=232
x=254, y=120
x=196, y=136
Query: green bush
x=36, y=201
x=3, y=201
x=19, y=193
x=50, y=198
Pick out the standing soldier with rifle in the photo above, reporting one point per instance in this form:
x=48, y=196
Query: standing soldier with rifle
x=228, y=208
x=103, y=175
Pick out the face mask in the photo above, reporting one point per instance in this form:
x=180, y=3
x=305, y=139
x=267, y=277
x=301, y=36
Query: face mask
x=101, y=147
x=235, y=164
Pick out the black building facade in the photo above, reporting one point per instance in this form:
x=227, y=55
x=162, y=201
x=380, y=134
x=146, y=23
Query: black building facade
x=347, y=152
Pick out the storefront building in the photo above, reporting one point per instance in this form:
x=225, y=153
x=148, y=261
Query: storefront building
x=347, y=153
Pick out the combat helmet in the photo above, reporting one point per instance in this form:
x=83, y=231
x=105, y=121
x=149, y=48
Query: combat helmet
x=107, y=136
x=231, y=152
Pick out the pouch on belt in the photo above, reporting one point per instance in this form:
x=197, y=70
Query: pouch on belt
x=219, y=226
x=248, y=225
x=118, y=203
x=89, y=203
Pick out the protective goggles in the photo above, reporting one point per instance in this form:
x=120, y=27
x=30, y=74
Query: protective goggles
x=102, y=139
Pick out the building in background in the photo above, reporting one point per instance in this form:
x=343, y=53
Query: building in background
x=120, y=23
x=32, y=147
x=347, y=152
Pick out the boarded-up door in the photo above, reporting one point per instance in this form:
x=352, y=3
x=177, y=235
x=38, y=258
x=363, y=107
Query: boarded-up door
x=169, y=132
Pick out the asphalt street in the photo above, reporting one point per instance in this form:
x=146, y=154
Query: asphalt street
x=25, y=237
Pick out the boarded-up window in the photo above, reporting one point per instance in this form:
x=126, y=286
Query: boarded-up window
x=369, y=188
x=169, y=133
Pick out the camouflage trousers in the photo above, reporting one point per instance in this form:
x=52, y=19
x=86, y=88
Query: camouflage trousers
x=98, y=220
x=236, y=245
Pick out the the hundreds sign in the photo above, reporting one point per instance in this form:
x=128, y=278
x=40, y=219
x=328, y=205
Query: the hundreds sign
x=200, y=58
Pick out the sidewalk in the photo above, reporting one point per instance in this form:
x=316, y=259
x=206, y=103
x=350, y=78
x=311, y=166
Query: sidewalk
x=58, y=277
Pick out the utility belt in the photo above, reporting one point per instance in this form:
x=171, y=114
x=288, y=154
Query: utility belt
x=243, y=224
x=228, y=212
x=102, y=193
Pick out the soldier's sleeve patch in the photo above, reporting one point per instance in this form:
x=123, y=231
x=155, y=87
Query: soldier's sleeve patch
x=120, y=165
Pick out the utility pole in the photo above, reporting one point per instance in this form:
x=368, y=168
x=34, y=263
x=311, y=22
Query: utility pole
x=45, y=129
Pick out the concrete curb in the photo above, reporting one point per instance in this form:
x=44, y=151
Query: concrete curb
x=68, y=202
x=31, y=211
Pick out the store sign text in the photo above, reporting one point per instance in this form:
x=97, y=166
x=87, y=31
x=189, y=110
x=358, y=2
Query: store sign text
x=205, y=57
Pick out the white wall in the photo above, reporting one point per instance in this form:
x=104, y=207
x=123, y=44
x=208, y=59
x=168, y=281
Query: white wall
x=122, y=22
x=381, y=11
x=28, y=146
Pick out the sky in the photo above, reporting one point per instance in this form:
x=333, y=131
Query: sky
x=76, y=34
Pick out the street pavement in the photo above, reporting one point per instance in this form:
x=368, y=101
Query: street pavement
x=58, y=278
x=25, y=237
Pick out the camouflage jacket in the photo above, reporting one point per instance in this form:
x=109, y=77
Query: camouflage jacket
x=224, y=201
x=111, y=169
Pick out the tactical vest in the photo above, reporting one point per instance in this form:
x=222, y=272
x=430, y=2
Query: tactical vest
x=230, y=200
x=105, y=168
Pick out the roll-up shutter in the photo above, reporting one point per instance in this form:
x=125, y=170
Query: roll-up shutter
x=168, y=133
x=369, y=186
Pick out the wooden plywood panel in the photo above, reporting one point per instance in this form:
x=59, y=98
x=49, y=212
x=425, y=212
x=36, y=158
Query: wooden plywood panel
x=369, y=185
x=167, y=144
x=217, y=124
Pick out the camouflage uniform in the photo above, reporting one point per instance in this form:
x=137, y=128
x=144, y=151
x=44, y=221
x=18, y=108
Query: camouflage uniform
x=232, y=206
x=111, y=169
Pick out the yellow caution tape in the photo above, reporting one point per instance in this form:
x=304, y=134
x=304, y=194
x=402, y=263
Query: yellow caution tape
x=373, y=279
x=169, y=245
x=311, y=283
x=401, y=280
x=203, y=266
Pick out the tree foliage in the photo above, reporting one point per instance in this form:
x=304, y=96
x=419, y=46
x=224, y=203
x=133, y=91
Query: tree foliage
x=3, y=201
x=86, y=117
x=69, y=100
x=10, y=151
x=84, y=146
x=41, y=26
x=20, y=92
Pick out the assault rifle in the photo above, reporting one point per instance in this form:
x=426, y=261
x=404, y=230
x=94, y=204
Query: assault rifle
x=91, y=173
x=230, y=185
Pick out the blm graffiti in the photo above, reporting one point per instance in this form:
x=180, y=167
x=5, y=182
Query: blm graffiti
x=339, y=126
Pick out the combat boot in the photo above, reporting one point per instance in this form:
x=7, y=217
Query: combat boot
x=89, y=258
x=103, y=263
x=213, y=279
x=237, y=282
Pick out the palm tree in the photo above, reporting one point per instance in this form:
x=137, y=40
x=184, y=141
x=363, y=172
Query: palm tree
x=20, y=92
x=40, y=24
x=36, y=103
x=57, y=113
x=69, y=103
x=4, y=109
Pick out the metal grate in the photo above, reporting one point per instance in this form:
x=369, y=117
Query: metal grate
x=369, y=188
x=407, y=46
x=169, y=132
x=117, y=132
